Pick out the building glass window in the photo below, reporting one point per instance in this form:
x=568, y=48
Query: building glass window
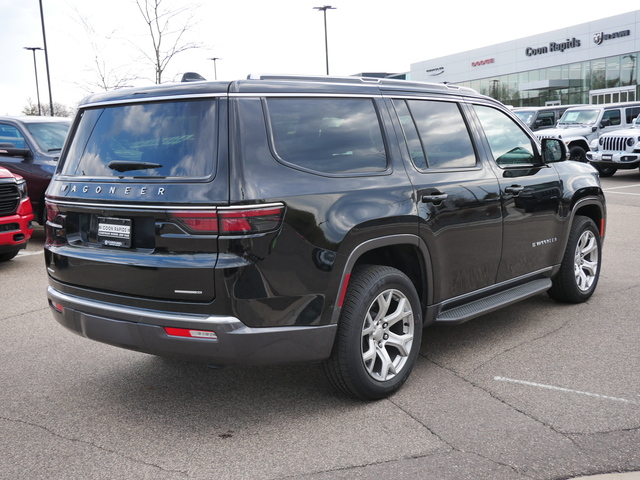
x=628, y=75
x=598, y=74
x=590, y=81
x=613, y=72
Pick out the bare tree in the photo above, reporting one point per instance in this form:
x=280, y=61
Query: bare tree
x=59, y=109
x=105, y=76
x=168, y=28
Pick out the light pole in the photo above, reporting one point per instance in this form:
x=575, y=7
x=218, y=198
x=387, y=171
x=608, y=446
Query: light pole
x=46, y=59
x=35, y=67
x=326, y=43
x=215, y=69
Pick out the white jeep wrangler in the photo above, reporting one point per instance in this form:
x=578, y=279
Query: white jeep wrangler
x=579, y=126
x=619, y=149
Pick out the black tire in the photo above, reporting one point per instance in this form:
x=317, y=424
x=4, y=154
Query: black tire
x=5, y=257
x=580, y=268
x=606, y=171
x=374, y=352
x=577, y=153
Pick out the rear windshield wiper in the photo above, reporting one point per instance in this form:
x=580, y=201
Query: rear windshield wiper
x=126, y=166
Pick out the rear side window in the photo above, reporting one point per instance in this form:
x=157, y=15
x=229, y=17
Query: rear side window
x=328, y=135
x=546, y=119
x=436, y=133
x=169, y=139
x=613, y=116
x=631, y=114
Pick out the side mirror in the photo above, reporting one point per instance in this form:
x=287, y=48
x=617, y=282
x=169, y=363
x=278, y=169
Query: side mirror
x=605, y=123
x=10, y=151
x=553, y=150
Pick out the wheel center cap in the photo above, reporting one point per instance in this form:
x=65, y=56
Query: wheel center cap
x=378, y=333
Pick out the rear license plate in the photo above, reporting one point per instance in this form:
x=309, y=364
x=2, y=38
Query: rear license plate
x=114, y=232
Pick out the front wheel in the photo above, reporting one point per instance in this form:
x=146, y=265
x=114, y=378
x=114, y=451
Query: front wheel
x=580, y=268
x=605, y=171
x=379, y=334
x=5, y=257
x=577, y=153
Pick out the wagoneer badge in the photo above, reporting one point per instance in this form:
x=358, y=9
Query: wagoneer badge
x=112, y=190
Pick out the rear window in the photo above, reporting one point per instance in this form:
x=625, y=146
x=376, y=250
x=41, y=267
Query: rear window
x=328, y=135
x=162, y=140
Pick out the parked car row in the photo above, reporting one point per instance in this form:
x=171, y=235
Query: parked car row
x=606, y=136
x=16, y=215
x=30, y=147
x=29, y=151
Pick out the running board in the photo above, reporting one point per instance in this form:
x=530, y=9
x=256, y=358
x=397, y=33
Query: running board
x=493, y=302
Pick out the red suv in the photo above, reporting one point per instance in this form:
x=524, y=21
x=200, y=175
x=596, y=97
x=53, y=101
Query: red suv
x=16, y=215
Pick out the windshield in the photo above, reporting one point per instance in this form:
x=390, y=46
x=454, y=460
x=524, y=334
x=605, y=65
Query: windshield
x=49, y=136
x=167, y=139
x=525, y=115
x=580, y=117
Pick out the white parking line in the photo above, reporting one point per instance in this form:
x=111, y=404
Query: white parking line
x=621, y=193
x=614, y=189
x=25, y=254
x=561, y=389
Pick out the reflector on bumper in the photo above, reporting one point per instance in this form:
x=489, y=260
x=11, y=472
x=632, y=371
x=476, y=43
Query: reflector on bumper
x=185, y=332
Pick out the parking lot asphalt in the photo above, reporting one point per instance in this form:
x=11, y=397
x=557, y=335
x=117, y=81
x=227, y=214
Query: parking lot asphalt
x=539, y=390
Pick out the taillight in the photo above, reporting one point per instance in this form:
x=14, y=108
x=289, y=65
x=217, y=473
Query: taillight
x=232, y=220
x=246, y=221
x=200, y=222
x=55, y=226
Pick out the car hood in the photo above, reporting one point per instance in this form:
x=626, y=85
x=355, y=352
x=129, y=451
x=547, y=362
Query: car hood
x=4, y=173
x=627, y=132
x=566, y=131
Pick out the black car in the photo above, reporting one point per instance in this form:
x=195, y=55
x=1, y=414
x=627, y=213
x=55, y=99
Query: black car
x=289, y=219
x=30, y=147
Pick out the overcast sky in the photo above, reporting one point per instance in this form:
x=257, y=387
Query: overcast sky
x=260, y=36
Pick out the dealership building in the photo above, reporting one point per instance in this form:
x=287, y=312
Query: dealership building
x=594, y=62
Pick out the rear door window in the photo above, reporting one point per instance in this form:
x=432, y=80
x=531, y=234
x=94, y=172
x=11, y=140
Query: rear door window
x=328, y=135
x=631, y=114
x=161, y=140
x=436, y=134
x=613, y=116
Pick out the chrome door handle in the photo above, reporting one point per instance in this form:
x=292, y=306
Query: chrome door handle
x=514, y=189
x=436, y=198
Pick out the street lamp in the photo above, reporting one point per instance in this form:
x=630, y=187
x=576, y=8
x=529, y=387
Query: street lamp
x=326, y=43
x=46, y=58
x=215, y=69
x=35, y=67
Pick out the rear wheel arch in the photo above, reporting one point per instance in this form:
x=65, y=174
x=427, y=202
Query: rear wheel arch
x=405, y=252
x=593, y=210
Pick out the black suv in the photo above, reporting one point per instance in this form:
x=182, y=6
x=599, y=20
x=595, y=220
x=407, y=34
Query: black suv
x=290, y=219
